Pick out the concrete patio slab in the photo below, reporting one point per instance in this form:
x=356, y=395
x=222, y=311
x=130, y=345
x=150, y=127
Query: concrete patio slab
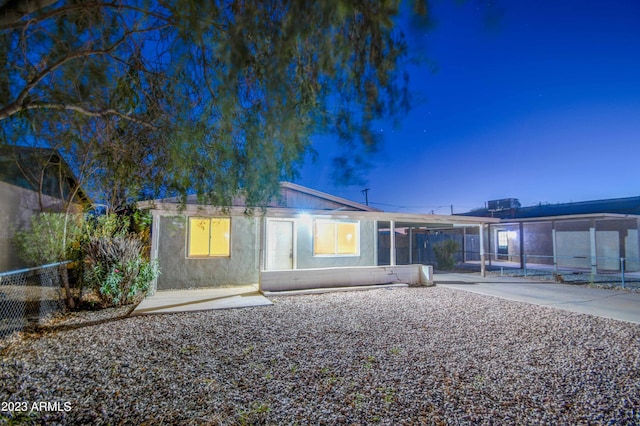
x=618, y=304
x=171, y=301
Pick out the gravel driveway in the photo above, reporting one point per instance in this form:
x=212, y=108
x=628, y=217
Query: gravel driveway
x=404, y=356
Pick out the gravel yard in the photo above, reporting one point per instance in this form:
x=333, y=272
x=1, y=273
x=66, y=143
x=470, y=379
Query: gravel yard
x=403, y=356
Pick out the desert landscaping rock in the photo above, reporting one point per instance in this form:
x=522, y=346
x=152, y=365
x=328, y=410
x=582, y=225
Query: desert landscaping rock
x=403, y=356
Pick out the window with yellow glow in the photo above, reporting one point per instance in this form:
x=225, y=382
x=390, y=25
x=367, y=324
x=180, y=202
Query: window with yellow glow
x=335, y=238
x=209, y=237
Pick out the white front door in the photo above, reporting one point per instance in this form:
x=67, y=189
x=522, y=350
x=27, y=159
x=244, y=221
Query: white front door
x=279, y=244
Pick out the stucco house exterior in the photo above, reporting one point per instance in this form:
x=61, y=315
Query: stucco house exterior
x=21, y=169
x=306, y=238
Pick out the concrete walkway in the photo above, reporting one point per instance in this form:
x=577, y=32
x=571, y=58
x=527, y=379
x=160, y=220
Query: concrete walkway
x=622, y=305
x=170, y=301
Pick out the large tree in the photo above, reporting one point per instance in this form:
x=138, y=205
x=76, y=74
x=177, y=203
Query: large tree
x=167, y=97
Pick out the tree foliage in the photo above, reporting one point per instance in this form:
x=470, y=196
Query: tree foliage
x=176, y=96
x=44, y=242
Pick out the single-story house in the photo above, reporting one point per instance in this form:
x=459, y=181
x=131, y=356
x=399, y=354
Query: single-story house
x=305, y=238
x=29, y=184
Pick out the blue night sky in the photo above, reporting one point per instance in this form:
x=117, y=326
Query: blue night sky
x=543, y=106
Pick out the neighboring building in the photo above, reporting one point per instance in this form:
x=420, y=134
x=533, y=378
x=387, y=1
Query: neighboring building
x=21, y=171
x=509, y=208
x=302, y=232
x=597, y=235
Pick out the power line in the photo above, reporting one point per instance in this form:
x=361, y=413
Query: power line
x=449, y=207
x=415, y=207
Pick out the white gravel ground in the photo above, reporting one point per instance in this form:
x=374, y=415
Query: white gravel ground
x=404, y=356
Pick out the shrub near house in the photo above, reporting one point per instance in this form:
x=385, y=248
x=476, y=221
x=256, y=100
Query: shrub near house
x=444, y=252
x=108, y=257
x=116, y=265
x=116, y=269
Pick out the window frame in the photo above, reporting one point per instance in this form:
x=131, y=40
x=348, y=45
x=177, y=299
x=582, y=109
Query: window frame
x=210, y=219
x=336, y=251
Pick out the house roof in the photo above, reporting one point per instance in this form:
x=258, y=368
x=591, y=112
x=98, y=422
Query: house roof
x=431, y=221
x=298, y=196
x=22, y=166
x=627, y=206
x=292, y=196
x=300, y=201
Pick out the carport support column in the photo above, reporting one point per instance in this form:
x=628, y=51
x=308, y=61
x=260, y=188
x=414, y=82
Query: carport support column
x=555, y=246
x=410, y=245
x=376, y=241
x=464, y=245
x=521, y=234
x=592, y=240
x=392, y=240
x=483, y=269
x=155, y=242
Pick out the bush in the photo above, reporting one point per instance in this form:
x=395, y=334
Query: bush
x=116, y=270
x=108, y=252
x=444, y=252
x=49, y=239
x=46, y=240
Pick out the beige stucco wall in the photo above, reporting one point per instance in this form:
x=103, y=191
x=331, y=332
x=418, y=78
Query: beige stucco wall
x=178, y=271
x=243, y=265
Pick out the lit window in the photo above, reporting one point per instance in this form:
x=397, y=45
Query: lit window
x=503, y=239
x=209, y=237
x=335, y=238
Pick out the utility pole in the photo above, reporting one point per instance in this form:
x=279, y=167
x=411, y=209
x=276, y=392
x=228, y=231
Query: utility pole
x=366, y=195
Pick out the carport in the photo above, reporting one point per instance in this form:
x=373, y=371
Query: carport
x=415, y=234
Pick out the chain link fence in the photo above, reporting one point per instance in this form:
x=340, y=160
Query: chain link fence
x=603, y=270
x=28, y=296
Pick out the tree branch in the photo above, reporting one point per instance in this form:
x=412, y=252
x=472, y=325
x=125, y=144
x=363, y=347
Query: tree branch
x=88, y=112
x=13, y=21
x=18, y=104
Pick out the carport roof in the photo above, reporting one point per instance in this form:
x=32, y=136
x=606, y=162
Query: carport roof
x=416, y=219
x=594, y=216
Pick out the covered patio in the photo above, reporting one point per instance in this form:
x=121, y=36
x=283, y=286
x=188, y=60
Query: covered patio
x=414, y=236
x=403, y=258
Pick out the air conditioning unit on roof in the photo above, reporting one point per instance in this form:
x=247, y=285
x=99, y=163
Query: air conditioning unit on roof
x=503, y=204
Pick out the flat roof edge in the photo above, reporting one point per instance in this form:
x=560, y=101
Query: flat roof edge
x=175, y=208
x=572, y=217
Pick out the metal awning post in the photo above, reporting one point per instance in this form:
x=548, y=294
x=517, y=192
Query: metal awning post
x=483, y=270
x=410, y=245
x=594, y=253
x=392, y=239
